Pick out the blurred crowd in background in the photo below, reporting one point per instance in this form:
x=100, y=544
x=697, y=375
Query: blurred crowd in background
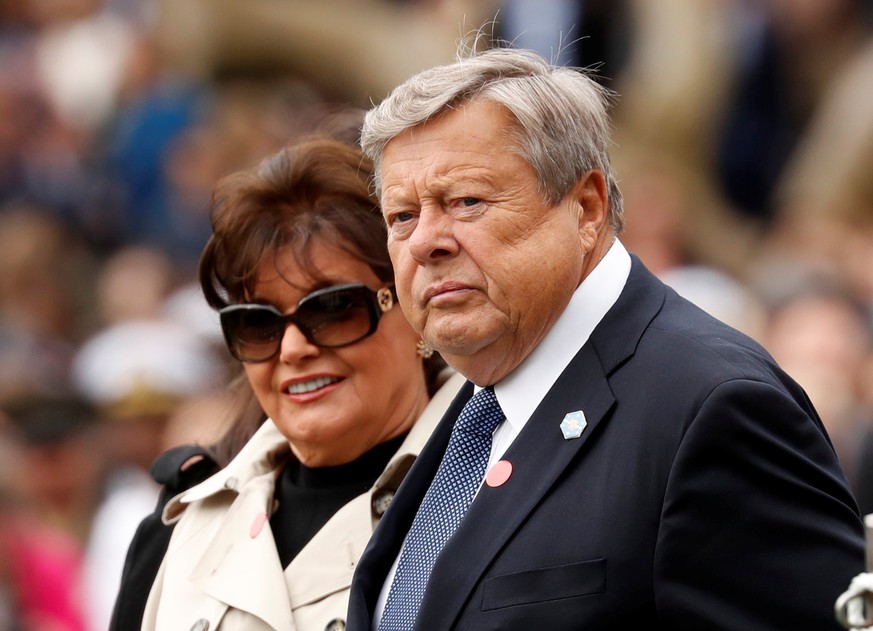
x=744, y=147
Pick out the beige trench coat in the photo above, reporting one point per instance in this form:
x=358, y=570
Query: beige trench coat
x=221, y=571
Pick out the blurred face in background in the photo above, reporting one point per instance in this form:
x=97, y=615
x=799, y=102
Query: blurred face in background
x=334, y=404
x=823, y=343
x=798, y=19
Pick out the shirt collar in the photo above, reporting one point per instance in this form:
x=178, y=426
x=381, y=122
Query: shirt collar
x=521, y=391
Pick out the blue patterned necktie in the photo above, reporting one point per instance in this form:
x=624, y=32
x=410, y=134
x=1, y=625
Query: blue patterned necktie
x=450, y=494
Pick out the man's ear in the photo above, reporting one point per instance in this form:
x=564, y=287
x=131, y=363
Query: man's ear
x=592, y=197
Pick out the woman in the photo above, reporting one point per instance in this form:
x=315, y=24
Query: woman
x=298, y=268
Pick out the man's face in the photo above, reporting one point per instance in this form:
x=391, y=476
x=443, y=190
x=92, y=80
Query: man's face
x=483, y=265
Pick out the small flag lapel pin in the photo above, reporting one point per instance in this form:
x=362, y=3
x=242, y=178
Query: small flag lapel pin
x=573, y=425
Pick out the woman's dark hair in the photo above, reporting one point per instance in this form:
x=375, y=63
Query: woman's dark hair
x=319, y=189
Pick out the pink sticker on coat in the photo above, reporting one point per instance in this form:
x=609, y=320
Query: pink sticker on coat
x=258, y=524
x=499, y=473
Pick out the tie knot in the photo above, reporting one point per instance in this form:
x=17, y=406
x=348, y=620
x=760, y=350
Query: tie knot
x=481, y=414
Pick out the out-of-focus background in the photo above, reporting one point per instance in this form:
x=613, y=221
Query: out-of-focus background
x=744, y=147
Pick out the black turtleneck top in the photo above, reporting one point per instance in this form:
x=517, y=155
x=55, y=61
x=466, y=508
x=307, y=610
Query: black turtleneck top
x=309, y=496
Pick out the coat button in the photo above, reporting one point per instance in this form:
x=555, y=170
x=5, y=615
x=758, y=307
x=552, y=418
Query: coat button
x=381, y=501
x=200, y=625
x=337, y=624
x=231, y=483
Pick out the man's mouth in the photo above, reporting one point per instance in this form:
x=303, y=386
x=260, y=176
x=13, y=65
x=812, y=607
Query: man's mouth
x=444, y=288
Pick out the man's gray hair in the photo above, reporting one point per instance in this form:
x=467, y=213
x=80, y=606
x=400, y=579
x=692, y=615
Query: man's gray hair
x=563, y=126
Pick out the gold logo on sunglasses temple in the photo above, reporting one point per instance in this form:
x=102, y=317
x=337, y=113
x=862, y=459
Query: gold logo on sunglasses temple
x=385, y=299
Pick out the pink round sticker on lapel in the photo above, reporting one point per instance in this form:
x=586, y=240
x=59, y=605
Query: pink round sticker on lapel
x=499, y=473
x=258, y=524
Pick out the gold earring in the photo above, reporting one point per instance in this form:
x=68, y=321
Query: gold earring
x=423, y=350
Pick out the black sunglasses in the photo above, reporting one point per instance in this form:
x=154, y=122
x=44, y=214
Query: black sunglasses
x=329, y=318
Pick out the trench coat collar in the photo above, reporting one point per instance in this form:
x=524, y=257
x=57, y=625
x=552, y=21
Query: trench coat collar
x=329, y=559
x=268, y=447
x=234, y=546
x=261, y=454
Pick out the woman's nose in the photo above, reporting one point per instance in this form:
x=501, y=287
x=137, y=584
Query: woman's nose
x=294, y=346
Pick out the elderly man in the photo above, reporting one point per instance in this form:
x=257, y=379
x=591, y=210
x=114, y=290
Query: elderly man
x=650, y=467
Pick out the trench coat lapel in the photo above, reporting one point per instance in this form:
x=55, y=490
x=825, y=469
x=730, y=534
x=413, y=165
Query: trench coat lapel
x=240, y=566
x=327, y=562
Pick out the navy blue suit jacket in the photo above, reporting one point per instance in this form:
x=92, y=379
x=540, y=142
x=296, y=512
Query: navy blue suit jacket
x=703, y=494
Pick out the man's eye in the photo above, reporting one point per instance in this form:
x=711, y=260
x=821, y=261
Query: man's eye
x=470, y=201
x=401, y=217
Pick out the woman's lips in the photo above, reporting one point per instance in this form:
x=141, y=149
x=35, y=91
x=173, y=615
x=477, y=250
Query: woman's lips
x=303, y=387
x=312, y=388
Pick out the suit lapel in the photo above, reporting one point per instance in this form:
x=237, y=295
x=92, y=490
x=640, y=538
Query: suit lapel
x=540, y=453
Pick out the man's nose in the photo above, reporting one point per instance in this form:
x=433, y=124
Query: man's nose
x=433, y=237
